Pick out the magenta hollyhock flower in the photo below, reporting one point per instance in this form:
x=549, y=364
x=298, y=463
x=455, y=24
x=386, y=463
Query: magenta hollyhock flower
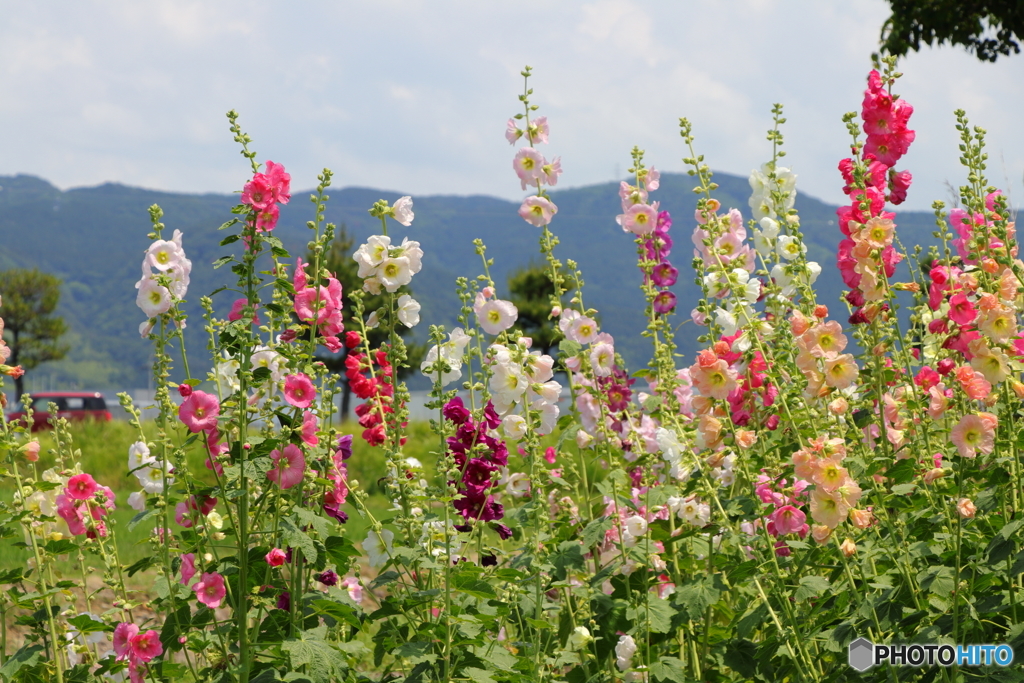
x=284, y=601
x=146, y=646
x=71, y=514
x=961, y=311
x=188, y=568
x=289, y=466
x=455, y=411
x=210, y=590
x=199, y=412
x=181, y=515
x=299, y=390
x=664, y=302
x=328, y=578
x=81, y=487
x=123, y=634
x=309, y=425
x=276, y=557
x=664, y=274
x=788, y=520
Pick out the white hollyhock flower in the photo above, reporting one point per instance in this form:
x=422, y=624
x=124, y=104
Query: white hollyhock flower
x=452, y=351
x=403, y=211
x=375, y=553
x=265, y=357
x=137, y=501
x=371, y=254
x=624, y=651
x=151, y=477
x=395, y=272
x=790, y=247
x=138, y=453
x=727, y=321
x=514, y=427
x=408, y=311
x=410, y=249
x=636, y=526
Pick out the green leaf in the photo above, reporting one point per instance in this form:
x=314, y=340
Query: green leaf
x=696, y=595
x=904, y=489
x=138, y=518
x=61, y=547
x=811, y=587
x=323, y=663
x=751, y=620
x=307, y=518
x=260, y=375
x=568, y=347
x=657, y=612
x=497, y=655
x=670, y=670
x=938, y=580
x=297, y=538
x=902, y=471
x=86, y=624
x=470, y=585
x=739, y=656
x=594, y=532
x=416, y=652
x=142, y=565
x=28, y=655
x=568, y=556
x=478, y=675
x=222, y=260
x=339, y=549
x=230, y=239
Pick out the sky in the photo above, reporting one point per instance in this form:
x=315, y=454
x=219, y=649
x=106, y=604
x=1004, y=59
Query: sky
x=413, y=95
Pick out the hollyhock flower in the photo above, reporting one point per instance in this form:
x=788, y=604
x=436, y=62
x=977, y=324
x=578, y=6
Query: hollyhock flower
x=550, y=171
x=137, y=501
x=71, y=513
x=664, y=302
x=527, y=165
x=328, y=578
x=961, y=311
x=965, y=508
x=841, y=372
x=639, y=219
x=199, y=412
x=624, y=651
x=602, y=359
x=514, y=427
x=408, y=311
x=188, y=568
x=210, y=589
x=402, y=211
x=862, y=519
x=537, y=211
x=266, y=218
x=299, y=390
x=828, y=508
x=580, y=328
x=974, y=433
x=664, y=274
x=788, y=520
x=377, y=555
x=276, y=557
x=164, y=255
x=354, y=588
x=395, y=272
x=495, y=315
x=309, y=427
x=715, y=380
x=81, y=487
x=123, y=634
x=154, y=299
x=512, y=133
x=539, y=130
x=289, y=466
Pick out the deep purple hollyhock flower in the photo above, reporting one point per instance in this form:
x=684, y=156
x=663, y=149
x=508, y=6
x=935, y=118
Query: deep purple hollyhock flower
x=664, y=302
x=665, y=274
x=503, y=531
x=284, y=601
x=455, y=411
x=478, y=473
x=328, y=578
x=463, y=528
x=619, y=396
x=488, y=561
x=334, y=510
x=345, y=446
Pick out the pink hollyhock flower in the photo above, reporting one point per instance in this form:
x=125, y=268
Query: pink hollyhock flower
x=238, y=307
x=279, y=181
x=266, y=219
x=512, y=133
x=81, y=487
x=551, y=171
x=276, y=557
x=788, y=520
x=527, y=165
x=123, y=634
x=199, y=412
x=188, y=568
x=664, y=302
x=299, y=390
x=537, y=211
x=539, y=130
x=210, y=589
x=181, y=515
x=145, y=646
x=639, y=219
x=961, y=311
x=289, y=466
x=973, y=434
x=550, y=455
x=354, y=588
x=258, y=192
x=309, y=425
x=70, y=513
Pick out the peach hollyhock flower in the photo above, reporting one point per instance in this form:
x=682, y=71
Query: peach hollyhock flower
x=825, y=340
x=805, y=464
x=820, y=533
x=839, y=406
x=938, y=403
x=829, y=474
x=199, y=412
x=537, y=211
x=993, y=365
x=973, y=434
x=745, y=438
x=299, y=390
x=709, y=431
x=841, y=371
x=289, y=466
x=848, y=548
x=828, y=508
x=714, y=381
x=966, y=508
x=850, y=492
x=788, y=520
x=933, y=475
x=877, y=232
x=861, y=519
x=798, y=323
x=999, y=323
x=210, y=589
x=81, y=487
x=31, y=451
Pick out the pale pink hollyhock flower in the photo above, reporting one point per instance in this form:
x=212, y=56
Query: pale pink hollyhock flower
x=188, y=568
x=495, y=315
x=537, y=211
x=299, y=390
x=966, y=508
x=848, y=548
x=164, y=255
x=583, y=330
x=354, y=588
x=652, y=181
x=861, y=519
x=829, y=474
x=788, y=520
x=938, y=403
x=210, y=589
x=199, y=412
x=551, y=171
x=973, y=434
x=539, y=130
x=289, y=466
x=154, y=299
x=309, y=425
x=602, y=359
x=81, y=487
x=276, y=557
x=639, y=219
x=512, y=133
x=527, y=165
x=123, y=634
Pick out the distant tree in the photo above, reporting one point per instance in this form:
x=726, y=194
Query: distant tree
x=30, y=329
x=987, y=28
x=338, y=261
x=530, y=289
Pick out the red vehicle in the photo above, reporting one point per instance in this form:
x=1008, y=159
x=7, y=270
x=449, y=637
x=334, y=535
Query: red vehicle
x=76, y=406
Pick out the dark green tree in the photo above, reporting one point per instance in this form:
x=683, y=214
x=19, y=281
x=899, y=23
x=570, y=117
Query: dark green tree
x=338, y=261
x=30, y=329
x=530, y=289
x=987, y=28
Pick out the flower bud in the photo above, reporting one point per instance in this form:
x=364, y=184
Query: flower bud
x=821, y=311
x=933, y=475
x=583, y=440
x=848, y=548
x=30, y=450
x=820, y=533
x=839, y=406
x=966, y=508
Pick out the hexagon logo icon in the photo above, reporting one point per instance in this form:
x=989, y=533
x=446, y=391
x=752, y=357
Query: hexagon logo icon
x=861, y=654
